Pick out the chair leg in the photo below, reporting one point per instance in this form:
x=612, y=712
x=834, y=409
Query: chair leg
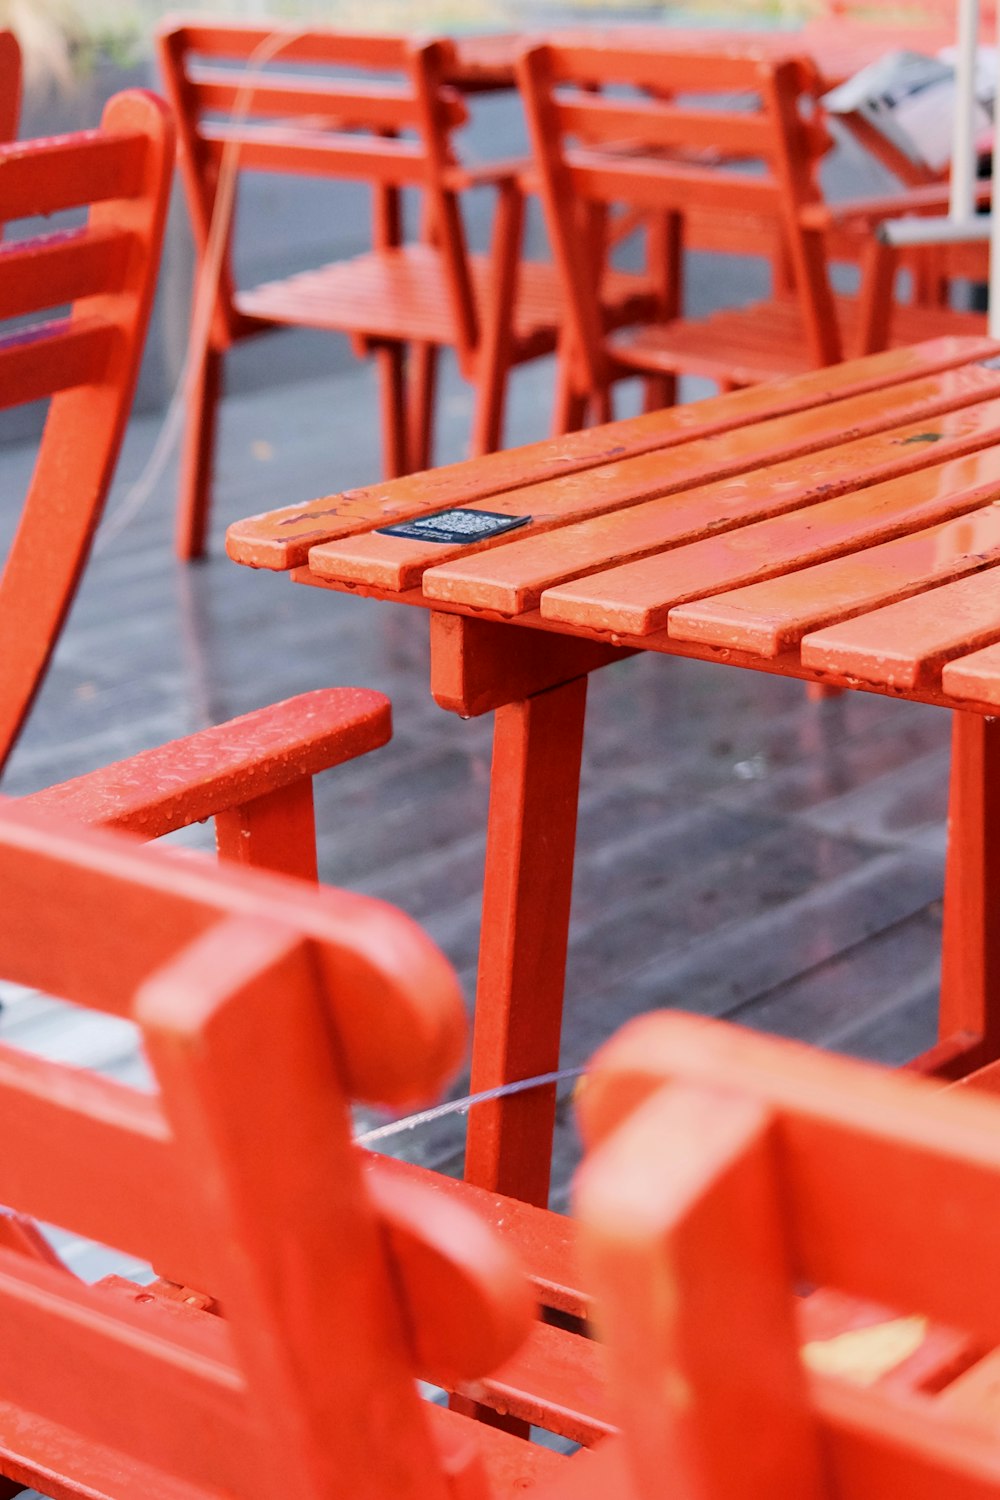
x=970, y=962
x=420, y=402
x=601, y=409
x=496, y=350
x=488, y=411
x=878, y=277
x=391, y=360
x=659, y=391
x=197, y=458
x=569, y=410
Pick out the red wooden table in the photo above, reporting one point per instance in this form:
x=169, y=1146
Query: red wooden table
x=840, y=46
x=841, y=527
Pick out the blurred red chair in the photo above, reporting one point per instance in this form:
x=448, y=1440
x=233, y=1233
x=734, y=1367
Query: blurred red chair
x=378, y=110
x=87, y=362
x=730, y=135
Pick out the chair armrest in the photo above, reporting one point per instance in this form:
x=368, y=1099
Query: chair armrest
x=226, y=766
x=865, y=214
x=463, y=175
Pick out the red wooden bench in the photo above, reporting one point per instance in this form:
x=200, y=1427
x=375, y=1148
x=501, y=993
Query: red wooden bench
x=86, y=362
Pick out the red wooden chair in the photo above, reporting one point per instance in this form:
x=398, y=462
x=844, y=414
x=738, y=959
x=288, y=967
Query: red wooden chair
x=252, y=775
x=694, y=154
x=86, y=362
x=265, y=1007
x=337, y=115
x=726, y=1173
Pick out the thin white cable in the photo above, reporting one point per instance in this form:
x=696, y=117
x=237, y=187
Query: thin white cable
x=206, y=291
x=462, y=1106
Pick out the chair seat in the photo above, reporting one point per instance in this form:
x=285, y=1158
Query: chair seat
x=766, y=340
x=402, y=295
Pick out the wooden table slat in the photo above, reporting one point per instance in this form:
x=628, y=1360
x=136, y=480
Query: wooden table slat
x=975, y=678
x=598, y=518
x=771, y=617
x=281, y=539
x=906, y=645
x=514, y=577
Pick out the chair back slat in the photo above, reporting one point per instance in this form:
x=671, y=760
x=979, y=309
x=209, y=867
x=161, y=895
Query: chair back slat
x=53, y=1323
x=596, y=118
x=71, y=1140
x=51, y=357
x=50, y=175
x=809, y=1171
x=877, y=1443
x=88, y=363
x=273, y=149
x=69, y=950
x=647, y=183
x=325, y=47
x=239, y=1176
x=328, y=105
x=657, y=69
x=53, y=269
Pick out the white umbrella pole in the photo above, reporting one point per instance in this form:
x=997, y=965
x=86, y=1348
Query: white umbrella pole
x=994, y=298
x=963, y=149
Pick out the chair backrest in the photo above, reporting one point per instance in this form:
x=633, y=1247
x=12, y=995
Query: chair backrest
x=672, y=132
x=750, y=1169
x=265, y=1007
x=324, y=103
x=10, y=85
x=86, y=360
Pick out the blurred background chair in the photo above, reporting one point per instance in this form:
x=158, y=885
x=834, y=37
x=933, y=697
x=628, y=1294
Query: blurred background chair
x=728, y=136
x=87, y=361
x=375, y=110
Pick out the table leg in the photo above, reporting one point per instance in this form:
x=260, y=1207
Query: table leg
x=531, y=838
x=969, y=1026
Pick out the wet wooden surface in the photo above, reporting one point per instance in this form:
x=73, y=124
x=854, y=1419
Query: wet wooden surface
x=743, y=852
